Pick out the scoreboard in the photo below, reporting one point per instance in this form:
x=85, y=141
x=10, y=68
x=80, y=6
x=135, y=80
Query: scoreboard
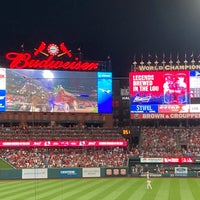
x=165, y=94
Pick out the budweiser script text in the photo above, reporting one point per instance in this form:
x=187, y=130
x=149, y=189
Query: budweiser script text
x=24, y=60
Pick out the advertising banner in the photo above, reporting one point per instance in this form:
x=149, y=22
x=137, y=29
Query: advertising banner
x=159, y=87
x=64, y=143
x=151, y=160
x=181, y=171
x=179, y=160
x=91, y=172
x=166, y=116
x=36, y=173
x=2, y=90
x=115, y=171
x=69, y=173
x=2, y=100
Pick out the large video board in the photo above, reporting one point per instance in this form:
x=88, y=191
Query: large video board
x=165, y=94
x=55, y=91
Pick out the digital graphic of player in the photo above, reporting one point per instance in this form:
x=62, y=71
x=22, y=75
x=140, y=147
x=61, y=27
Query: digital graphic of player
x=175, y=89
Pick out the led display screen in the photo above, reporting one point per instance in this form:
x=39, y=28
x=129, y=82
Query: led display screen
x=56, y=91
x=164, y=92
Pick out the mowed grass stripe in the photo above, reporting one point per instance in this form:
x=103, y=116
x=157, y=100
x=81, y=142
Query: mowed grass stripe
x=162, y=187
x=108, y=186
x=117, y=192
x=8, y=183
x=87, y=188
x=17, y=189
x=57, y=189
x=138, y=189
x=185, y=191
x=174, y=189
x=130, y=187
x=68, y=188
x=40, y=190
x=27, y=189
x=96, y=193
x=69, y=193
x=194, y=187
x=65, y=188
x=23, y=188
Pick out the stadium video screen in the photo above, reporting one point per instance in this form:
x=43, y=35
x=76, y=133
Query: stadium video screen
x=164, y=92
x=55, y=91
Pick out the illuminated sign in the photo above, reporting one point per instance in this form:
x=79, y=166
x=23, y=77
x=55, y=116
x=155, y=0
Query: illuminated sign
x=143, y=68
x=165, y=94
x=126, y=132
x=168, y=160
x=2, y=90
x=179, y=160
x=53, y=52
x=165, y=116
x=63, y=143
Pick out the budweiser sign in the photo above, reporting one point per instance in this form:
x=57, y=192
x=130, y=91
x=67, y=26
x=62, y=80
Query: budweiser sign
x=52, y=53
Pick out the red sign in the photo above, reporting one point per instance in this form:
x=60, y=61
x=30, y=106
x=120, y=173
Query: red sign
x=179, y=108
x=69, y=143
x=53, y=53
x=159, y=87
x=179, y=160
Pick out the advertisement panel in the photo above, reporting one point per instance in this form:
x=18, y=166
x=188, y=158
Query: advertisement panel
x=49, y=56
x=151, y=160
x=104, y=92
x=159, y=87
x=179, y=160
x=69, y=173
x=31, y=90
x=164, y=94
x=181, y=171
x=197, y=160
x=184, y=108
x=36, y=173
x=65, y=143
x=91, y=172
x=115, y=172
x=166, y=116
x=2, y=90
x=2, y=100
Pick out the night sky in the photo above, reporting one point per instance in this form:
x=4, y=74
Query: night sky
x=120, y=29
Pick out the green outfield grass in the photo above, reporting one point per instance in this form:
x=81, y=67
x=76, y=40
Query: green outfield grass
x=4, y=165
x=101, y=189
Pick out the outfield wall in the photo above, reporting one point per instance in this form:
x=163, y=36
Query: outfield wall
x=45, y=173
x=96, y=172
x=165, y=167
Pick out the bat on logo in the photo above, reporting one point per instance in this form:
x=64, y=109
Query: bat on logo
x=40, y=49
x=64, y=49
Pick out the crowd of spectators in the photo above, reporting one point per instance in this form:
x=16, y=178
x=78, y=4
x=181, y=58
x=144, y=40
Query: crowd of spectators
x=65, y=157
x=59, y=133
x=168, y=142
x=153, y=142
x=44, y=157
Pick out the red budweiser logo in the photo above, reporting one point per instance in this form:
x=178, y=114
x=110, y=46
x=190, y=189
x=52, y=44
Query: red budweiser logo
x=52, y=52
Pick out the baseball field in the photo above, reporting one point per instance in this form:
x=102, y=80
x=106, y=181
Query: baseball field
x=101, y=189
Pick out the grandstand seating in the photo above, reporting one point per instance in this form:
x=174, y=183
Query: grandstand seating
x=160, y=141
x=168, y=141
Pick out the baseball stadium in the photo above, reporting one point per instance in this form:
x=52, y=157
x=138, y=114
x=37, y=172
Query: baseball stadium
x=70, y=130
